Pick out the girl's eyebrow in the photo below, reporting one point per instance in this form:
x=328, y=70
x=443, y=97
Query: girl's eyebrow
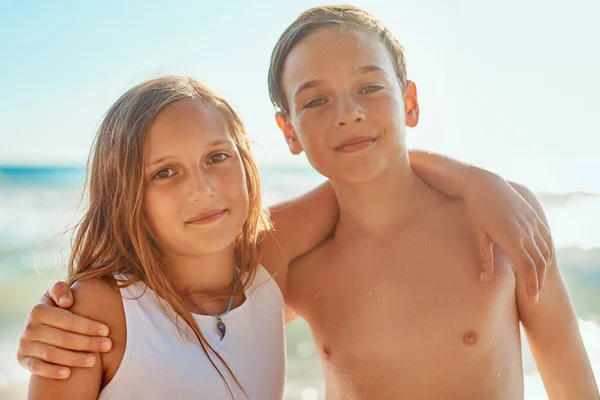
x=159, y=160
x=219, y=142
x=211, y=144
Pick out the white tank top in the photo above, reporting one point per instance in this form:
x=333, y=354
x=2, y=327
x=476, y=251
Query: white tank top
x=159, y=364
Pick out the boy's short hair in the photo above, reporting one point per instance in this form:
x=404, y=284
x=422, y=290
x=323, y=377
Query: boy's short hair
x=344, y=16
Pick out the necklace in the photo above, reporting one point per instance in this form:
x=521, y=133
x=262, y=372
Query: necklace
x=221, y=328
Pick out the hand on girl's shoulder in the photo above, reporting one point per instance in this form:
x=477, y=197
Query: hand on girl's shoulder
x=99, y=300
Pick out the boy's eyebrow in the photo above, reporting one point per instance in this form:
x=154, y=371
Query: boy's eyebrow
x=211, y=144
x=370, y=68
x=363, y=70
x=306, y=85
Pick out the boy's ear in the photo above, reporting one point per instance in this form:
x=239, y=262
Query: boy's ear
x=283, y=121
x=411, y=105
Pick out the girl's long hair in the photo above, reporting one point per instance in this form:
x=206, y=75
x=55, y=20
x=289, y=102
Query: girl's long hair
x=113, y=236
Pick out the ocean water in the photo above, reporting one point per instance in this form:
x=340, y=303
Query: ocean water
x=36, y=204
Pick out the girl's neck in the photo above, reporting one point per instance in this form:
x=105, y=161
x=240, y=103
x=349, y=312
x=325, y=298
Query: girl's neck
x=206, y=273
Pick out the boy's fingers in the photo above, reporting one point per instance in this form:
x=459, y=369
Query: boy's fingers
x=56, y=355
x=67, y=340
x=60, y=293
x=43, y=314
x=44, y=369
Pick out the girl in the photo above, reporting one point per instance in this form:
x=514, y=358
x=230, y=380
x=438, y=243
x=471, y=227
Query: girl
x=167, y=255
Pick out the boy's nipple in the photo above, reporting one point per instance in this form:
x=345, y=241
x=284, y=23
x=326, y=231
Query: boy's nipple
x=470, y=338
x=327, y=352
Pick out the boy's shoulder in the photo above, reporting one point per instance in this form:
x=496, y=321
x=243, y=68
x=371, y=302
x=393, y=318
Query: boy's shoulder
x=302, y=270
x=319, y=255
x=530, y=198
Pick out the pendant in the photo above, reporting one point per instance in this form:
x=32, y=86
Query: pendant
x=221, y=328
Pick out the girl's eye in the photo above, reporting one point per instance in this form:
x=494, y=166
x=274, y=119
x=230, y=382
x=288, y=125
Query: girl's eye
x=218, y=158
x=163, y=173
x=315, y=103
x=371, y=89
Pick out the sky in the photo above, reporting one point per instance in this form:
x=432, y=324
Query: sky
x=511, y=86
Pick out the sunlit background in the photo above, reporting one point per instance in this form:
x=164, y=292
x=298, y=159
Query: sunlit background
x=511, y=86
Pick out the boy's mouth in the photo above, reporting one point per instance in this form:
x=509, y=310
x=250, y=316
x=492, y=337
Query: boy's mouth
x=355, y=144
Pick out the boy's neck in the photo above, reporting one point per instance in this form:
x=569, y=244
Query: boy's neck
x=375, y=208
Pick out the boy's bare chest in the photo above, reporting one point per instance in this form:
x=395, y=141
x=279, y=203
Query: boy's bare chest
x=418, y=289
x=409, y=303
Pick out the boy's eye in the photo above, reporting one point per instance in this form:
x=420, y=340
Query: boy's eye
x=163, y=173
x=218, y=157
x=371, y=89
x=315, y=103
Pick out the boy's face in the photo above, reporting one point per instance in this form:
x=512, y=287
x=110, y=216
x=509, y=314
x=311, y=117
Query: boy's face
x=346, y=107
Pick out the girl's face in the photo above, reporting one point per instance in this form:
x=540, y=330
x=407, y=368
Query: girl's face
x=196, y=198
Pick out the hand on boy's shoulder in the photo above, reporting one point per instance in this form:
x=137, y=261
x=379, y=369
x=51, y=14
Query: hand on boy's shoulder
x=530, y=198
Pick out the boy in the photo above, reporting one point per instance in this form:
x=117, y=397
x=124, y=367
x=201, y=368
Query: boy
x=391, y=310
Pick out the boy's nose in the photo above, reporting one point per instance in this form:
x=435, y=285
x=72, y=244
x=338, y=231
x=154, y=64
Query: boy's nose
x=349, y=111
